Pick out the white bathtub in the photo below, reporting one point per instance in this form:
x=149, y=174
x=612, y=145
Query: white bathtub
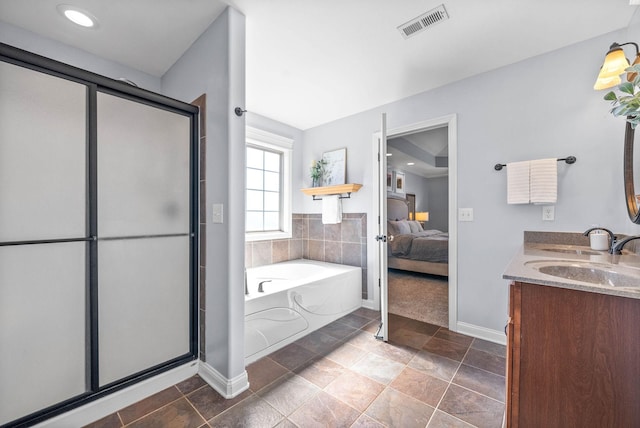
x=299, y=297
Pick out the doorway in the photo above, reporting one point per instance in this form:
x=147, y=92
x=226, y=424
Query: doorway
x=440, y=215
x=418, y=263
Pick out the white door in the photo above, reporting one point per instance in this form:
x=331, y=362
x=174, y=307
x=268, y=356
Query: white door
x=381, y=237
x=379, y=205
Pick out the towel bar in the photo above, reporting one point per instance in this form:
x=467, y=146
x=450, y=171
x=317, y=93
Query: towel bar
x=568, y=159
x=315, y=198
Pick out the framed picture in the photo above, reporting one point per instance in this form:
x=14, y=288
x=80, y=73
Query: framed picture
x=335, y=169
x=398, y=182
x=389, y=180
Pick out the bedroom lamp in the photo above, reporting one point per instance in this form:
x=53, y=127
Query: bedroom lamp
x=422, y=216
x=615, y=63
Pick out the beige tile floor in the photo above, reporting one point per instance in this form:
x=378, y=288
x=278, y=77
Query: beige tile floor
x=341, y=376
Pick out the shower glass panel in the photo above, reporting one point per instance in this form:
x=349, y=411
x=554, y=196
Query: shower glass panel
x=42, y=326
x=143, y=229
x=143, y=304
x=143, y=169
x=43, y=187
x=42, y=156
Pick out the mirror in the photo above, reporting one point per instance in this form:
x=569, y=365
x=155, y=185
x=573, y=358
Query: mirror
x=632, y=183
x=629, y=185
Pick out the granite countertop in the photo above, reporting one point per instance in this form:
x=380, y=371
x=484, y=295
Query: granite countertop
x=574, y=248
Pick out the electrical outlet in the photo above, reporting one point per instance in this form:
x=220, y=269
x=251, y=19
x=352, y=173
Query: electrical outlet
x=465, y=214
x=548, y=212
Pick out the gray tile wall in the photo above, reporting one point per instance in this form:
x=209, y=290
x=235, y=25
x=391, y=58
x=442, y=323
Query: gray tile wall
x=344, y=243
x=201, y=102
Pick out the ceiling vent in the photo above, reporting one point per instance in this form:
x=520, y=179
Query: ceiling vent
x=424, y=21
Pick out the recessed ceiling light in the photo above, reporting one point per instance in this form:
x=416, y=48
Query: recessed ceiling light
x=78, y=16
x=411, y=163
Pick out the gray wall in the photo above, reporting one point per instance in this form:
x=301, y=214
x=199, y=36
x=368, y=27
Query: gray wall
x=541, y=107
x=214, y=65
x=418, y=186
x=438, y=203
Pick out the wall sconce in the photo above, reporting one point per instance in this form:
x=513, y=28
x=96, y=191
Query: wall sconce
x=422, y=217
x=615, y=63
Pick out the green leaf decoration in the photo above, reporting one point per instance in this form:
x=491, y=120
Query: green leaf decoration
x=626, y=87
x=633, y=69
x=625, y=100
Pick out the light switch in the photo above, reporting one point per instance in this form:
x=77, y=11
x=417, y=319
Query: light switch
x=217, y=213
x=465, y=214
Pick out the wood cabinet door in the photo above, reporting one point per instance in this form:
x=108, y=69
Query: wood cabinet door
x=513, y=355
x=578, y=359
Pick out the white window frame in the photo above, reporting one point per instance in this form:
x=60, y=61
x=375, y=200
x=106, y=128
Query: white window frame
x=267, y=140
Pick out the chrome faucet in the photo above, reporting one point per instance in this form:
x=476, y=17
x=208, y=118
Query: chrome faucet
x=260, y=288
x=614, y=238
x=617, y=248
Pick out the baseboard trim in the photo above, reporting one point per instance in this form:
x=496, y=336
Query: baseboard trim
x=228, y=388
x=495, y=336
x=111, y=403
x=370, y=304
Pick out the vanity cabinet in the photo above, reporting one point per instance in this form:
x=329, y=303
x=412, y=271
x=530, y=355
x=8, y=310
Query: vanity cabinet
x=573, y=358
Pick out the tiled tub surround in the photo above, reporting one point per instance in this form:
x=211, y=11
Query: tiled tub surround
x=343, y=243
x=201, y=102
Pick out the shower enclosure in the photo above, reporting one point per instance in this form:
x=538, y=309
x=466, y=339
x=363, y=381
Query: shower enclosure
x=98, y=231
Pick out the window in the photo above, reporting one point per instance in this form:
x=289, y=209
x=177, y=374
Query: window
x=263, y=189
x=268, y=186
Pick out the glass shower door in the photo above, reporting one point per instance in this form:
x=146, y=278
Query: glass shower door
x=98, y=227
x=44, y=352
x=144, y=236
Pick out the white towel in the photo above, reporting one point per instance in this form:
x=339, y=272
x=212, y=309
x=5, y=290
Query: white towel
x=544, y=181
x=331, y=209
x=518, y=182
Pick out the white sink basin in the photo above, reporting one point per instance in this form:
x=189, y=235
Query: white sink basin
x=593, y=273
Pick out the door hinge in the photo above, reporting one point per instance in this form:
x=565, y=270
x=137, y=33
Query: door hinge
x=382, y=238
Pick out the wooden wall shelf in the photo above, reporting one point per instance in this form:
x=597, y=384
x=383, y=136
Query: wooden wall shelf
x=339, y=189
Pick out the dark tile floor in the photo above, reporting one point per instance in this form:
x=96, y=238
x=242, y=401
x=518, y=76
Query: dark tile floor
x=340, y=376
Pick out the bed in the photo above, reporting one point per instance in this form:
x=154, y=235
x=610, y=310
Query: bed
x=412, y=248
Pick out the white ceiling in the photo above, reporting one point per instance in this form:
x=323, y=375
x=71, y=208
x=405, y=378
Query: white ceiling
x=313, y=61
x=420, y=150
